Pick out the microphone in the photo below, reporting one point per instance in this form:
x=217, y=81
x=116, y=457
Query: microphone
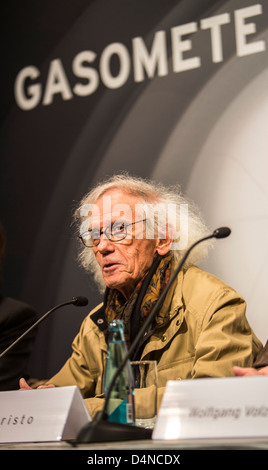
x=78, y=301
x=102, y=430
x=222, y=232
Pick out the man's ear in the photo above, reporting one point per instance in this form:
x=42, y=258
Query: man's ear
x=163, y=245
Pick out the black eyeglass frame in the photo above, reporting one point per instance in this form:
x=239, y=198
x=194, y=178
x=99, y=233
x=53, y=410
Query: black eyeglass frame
x=96, y=241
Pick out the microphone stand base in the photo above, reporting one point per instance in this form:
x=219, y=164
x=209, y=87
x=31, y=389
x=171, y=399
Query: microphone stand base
x=106, y=431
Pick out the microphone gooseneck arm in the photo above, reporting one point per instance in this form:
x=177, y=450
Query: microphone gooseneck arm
x=221, y=232
x=78, y=301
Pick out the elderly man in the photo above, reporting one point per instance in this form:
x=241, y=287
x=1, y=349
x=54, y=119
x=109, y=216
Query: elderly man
x=134, y=232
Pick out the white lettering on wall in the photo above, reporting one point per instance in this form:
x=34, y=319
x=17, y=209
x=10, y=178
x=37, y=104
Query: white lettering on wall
x=142, y=60
x=82, y=70
x=214, y=24
x=244, y=29
x=57, y=82
x=33, y=96
x=121, y=52
x=116, y=64
x=180, y=45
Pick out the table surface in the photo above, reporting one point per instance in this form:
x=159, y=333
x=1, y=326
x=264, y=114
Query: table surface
x=154, y=445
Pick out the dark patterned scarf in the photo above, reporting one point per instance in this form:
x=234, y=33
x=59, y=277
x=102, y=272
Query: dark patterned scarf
x=118, y=307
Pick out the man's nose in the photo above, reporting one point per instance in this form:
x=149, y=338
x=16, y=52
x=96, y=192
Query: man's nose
x=105, y=244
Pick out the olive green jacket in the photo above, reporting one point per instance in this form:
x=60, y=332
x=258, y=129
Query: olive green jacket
x=201, y=331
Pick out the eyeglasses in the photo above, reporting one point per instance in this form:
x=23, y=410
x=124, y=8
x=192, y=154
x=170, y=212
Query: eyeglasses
x=116, y=233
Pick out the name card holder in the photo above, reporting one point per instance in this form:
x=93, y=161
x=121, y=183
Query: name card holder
x=234, y=407
x=44, y=415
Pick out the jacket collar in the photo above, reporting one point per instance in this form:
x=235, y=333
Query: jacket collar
x=99, y=318
x=173, y=300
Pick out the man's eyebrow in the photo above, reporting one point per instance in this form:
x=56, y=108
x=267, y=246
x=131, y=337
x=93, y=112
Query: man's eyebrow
x=120, y=220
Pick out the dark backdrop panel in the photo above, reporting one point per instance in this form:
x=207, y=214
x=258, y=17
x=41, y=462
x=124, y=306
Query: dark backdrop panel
x=52, y=154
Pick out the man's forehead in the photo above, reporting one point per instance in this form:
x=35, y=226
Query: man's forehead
x=115, y=205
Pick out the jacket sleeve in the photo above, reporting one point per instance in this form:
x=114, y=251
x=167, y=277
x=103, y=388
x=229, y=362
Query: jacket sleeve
x=226, y=338
x=84, y=368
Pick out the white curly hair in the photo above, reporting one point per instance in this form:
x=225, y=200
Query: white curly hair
x=156, y=197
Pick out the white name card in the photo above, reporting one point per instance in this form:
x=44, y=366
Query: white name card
x=43, y=415
x=214, y=408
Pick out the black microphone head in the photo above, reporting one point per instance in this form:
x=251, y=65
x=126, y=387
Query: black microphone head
x=80, y=301
x=222, y=232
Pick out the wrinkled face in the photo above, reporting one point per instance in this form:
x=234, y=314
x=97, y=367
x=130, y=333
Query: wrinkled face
x=123, y=264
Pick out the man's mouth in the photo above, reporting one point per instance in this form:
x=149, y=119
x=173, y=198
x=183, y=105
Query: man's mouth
x=109, y=266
